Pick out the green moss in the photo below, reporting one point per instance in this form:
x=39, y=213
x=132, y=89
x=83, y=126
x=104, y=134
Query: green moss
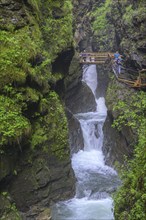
x=25, y=73
x=128, y=15
x=35, y=4
x=17, y=49
x=130, y=199
x=12, y=124
x=103, y=30
x=8, y=208
x=58, y=32
x=100, y=22
x=52, y=128
x=32, y=95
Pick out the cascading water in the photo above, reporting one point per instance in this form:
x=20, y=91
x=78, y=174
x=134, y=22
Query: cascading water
x=95, y=180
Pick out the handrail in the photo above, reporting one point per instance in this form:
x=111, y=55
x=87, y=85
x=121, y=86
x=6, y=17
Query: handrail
x=132, y=83
x=102, y=57
x=92, y=57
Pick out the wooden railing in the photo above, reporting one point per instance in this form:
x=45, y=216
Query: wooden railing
x=108, y=57
x=94, y=58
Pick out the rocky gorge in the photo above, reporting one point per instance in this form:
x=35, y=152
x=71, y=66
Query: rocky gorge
x=35, y=166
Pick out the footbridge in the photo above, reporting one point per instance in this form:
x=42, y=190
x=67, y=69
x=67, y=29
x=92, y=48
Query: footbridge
x=95, y=58
x=108, y=58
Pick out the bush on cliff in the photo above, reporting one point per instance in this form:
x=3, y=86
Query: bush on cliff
x=130, y=199
x=25, y=70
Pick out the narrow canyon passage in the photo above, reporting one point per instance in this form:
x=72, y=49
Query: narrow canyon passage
x=95, y=180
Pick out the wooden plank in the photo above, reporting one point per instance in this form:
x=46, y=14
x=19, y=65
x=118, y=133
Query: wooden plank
x=106, y=54
x=93, y=62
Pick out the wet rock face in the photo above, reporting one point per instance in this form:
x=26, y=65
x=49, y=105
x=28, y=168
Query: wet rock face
x=75, y=133
x=79, y=97
x=116, y=144
x=82, y=30
x=34, y=179
x=103, y=80
x=12, y=13
x=41, y=181
x=130, y=29
x=127, y=30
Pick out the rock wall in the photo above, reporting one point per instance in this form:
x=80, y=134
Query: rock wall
x=117, y=144
x=32, y=176
x=120, y=26
x=41, y=181
x=35, y=180
x=78, y=97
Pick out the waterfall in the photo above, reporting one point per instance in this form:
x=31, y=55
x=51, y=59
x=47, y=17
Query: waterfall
x=95, y=180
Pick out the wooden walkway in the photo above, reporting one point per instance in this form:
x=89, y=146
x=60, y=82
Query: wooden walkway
x=95, y=58
x=139, y=82
x=108, y=57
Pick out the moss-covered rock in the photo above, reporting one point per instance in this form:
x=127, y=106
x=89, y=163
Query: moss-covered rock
x=8, y=209
x=26, y=70
x=124, y=24
x=32, y=117
x=120, y=25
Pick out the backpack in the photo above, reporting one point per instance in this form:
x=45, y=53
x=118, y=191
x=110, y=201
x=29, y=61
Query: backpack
x=118, y=61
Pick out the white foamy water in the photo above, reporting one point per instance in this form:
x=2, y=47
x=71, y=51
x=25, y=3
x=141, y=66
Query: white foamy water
x=95, y=180
x=90, y=79
x=101, y=107
x=76, y=209
x=93, y=160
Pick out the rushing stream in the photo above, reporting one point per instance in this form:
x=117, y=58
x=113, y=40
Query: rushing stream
x=95, y=180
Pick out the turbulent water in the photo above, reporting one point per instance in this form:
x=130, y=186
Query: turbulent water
x=95, y=180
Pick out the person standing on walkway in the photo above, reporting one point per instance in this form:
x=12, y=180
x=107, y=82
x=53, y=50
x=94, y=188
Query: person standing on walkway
x=116, y=55
x=119, y=64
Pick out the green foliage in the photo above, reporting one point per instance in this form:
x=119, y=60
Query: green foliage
x=25, y=73
x=130, y=200
x=17, y=49
x=11, y=213
x=58, y=32
x=128, y=14
x=103, y=29
x=58, y=126
x=52, y=128
x=12, y=59
x=39, y=136
x=8, y=208
x=100, y=23
x=131, y=113
x=12, y=124
x=138, y=13
x=35, y=4
x=32, y=95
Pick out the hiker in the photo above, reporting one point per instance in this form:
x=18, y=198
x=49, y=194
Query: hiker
x=119, y=63
x=116, y=55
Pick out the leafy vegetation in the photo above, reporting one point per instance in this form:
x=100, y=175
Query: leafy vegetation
x=55, y=122
x=12, y=123
x=28, y=108
x=32, y=116
x=130, y=200
x=132, y=13
x=100, y=13
x=57, y=30
x=115, y=23
x=10, y=211
x=128, y=20
x=103, y=29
